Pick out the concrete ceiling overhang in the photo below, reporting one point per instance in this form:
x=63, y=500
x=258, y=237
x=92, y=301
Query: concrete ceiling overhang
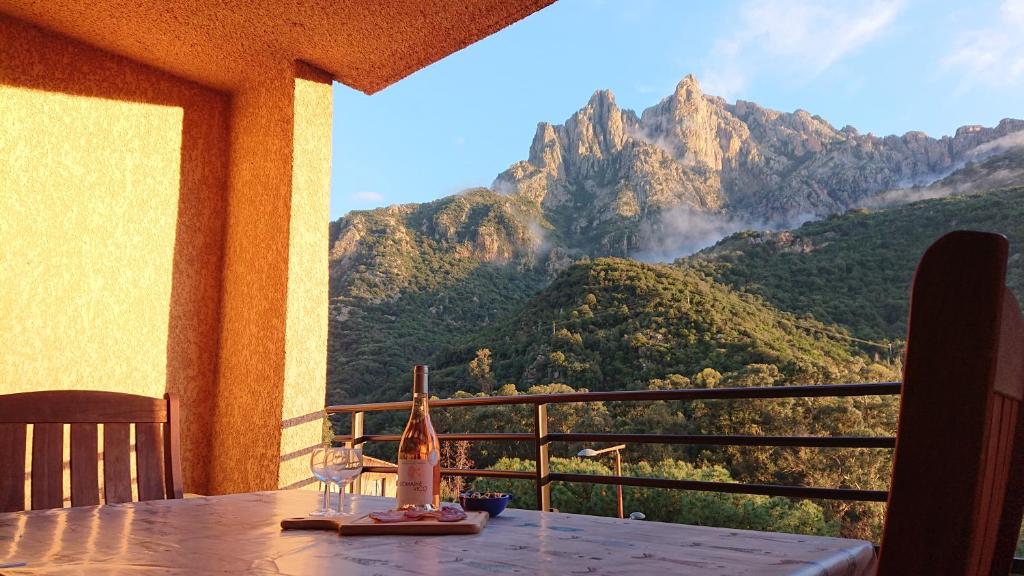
x=229, y=44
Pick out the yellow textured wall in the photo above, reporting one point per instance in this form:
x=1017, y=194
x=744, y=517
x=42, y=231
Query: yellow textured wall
x=247, y=426
x=273, y=340
x=159, y=235
x=112, y=183
x=306, y=329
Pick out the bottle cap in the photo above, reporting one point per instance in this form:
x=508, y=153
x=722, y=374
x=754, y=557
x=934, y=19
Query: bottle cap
x=419, y=379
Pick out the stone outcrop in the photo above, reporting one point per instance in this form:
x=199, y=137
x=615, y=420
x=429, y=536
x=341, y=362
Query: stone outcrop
x=605, y=171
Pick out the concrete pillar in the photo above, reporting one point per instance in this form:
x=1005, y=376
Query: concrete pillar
x=273, y=338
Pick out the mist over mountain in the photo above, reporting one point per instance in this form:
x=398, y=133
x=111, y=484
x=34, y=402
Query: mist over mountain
x=855, y=269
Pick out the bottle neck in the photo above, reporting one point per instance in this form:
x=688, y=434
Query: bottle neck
x=420, y=405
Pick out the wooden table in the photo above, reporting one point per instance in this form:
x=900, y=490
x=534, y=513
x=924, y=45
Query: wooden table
x=239, y=534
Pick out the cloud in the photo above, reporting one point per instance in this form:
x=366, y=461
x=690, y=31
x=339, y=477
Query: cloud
x=681, y=230
x=991, y=181
x=800, y=38
x=939, y=187
x=994, y=55
x=367, y=196
x=1001, y=144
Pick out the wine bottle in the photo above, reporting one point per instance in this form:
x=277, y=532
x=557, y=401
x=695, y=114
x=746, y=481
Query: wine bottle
x=419, y=454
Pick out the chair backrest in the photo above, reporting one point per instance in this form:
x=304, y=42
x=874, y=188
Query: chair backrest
x=955, y=498
x=157, y=447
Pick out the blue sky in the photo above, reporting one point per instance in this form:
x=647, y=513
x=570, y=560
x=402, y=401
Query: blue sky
x=885, y=67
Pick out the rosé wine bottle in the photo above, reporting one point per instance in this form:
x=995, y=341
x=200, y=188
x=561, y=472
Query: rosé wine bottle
x=419, y=455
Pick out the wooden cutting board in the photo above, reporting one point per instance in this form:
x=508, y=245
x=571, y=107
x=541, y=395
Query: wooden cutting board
x=472, y=524
x=310, y=523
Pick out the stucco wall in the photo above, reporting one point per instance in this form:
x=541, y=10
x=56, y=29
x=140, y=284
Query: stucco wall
x=247, y=426
x=159, y=235
x=306, y=330
x=112, y=206
x=274, y=339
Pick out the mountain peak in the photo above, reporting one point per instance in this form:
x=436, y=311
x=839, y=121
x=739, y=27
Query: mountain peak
x=544, y=150
x=602, y=99
x=688, y=88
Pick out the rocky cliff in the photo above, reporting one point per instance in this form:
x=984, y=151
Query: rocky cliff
x=609, y=178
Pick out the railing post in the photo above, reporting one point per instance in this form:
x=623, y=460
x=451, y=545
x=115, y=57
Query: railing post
x=357, y=433
x=543, y=481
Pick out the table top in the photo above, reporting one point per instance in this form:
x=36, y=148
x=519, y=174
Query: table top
x=240, y=534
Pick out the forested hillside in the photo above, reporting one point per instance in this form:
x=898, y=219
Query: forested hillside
x=407, y=279
x=855, y=269
x=612, y=324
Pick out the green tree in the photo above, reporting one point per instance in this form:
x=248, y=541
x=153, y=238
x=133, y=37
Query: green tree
x=664, y=505
x=480, y=370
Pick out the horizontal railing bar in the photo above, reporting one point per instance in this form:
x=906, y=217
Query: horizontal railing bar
x=459, y=472
x=729, y=487
x=803, y=391
x=732, y=440
x=483, y=436
x=696, y=485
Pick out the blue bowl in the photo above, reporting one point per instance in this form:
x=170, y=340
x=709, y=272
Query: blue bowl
x=493, y=506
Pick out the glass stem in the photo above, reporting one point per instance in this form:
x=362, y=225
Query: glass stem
x=341, y=498
x=327, y=497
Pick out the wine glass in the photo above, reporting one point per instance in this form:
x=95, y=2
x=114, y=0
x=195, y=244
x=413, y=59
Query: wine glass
x=343, y=466
x=318, y=466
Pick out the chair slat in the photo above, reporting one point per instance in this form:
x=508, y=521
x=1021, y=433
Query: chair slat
x=85, y=486
x=149, y=460
x=47, y=466
x=74, y=406
x=117, y=466
x=172, y=449
x=1010, y=381
x=1013, y=506
x=1000, y=475
x=12, y=470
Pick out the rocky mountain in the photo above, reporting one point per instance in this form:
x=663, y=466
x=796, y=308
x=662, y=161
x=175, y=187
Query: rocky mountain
x=377, y=255
x=615, y=183
x=406, y=280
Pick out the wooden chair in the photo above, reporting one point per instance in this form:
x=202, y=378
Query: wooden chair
x=157, y=447
x=955, y=501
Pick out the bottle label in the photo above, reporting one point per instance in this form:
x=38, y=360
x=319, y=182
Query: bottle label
x=415, y=482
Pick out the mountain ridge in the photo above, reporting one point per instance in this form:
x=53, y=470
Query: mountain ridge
x=608, y=175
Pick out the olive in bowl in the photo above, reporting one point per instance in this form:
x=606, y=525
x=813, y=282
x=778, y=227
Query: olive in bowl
x=493, y=503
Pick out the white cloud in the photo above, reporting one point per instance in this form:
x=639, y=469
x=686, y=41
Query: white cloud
x=993, y=55
x=800, y=38
x=367, y=196
x=1001, y=144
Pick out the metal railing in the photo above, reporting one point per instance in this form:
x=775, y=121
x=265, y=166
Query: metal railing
x=542, y=438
